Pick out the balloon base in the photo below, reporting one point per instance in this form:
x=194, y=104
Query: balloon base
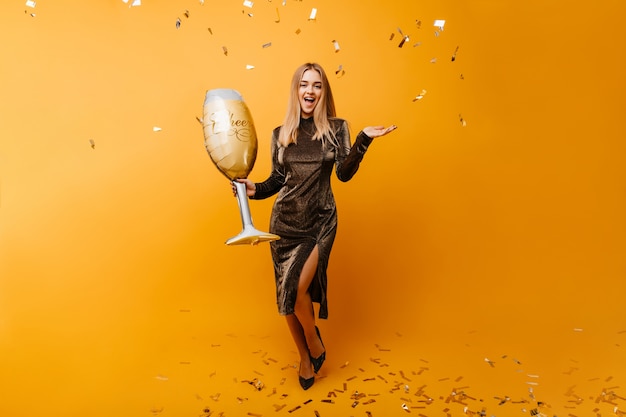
x=251, y=236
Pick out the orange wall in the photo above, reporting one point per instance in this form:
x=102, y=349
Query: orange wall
x=515, y=221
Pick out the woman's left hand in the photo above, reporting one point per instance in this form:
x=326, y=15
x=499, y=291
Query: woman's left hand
x=377, y=131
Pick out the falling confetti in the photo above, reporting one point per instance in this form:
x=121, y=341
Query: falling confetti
x=31, y=3
x=225, y=50
x=178, y=23
x=313, y=14
x=267, y=45
x=420, y=95
x=463, y=124
x=340, y=71
x=454, y=54
x=248, y=3
x=439, y=24
x=404, y=39
x=336, y=45
x=156, y=129
x=92, y=143
x=277, y=16
x=249, y=67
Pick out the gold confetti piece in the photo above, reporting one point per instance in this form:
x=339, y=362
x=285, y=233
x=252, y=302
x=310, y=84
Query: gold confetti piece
x=298, y=31
x=418, y=23
x=267, y=45
x=279, y=407
x=328, y=401
x=184, y=363
x=454, y=54
x=31, y=3
x=255, y=414
x=344, y=365
x=156, y=129
x=433, y=61
x=178, y=23
x=392, y=36
x=405, y=408
x=336, y=45
x=156, y=410
x=578, y=329
x=313, y=14
x=225, y=50
x=420, y=96
x=92, y=143
x=297, y=407
x=439, y=24
x=463, y=124
x=404, y=39
x=248, y=3
x=184, y=310
x=249, y=67
x=210, y=30
x=161, y=378
x=186, y=13
x=277, y=16
x=317, y=414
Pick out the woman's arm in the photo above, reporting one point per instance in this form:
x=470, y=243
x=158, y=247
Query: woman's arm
x=269, y=187
x=348, y=157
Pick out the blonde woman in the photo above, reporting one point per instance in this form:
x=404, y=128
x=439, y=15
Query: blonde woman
x=311, y=142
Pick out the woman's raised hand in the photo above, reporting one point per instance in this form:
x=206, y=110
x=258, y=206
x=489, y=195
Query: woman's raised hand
x=250, y=187
x=377, y=131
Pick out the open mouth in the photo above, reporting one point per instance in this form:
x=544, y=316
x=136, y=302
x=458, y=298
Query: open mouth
x=309, y=99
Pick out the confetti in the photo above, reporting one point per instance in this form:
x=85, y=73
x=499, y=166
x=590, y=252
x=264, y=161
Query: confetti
x=277, y=16
x=267, y=45
x=313, y=14
x=186, y=14
x=420, y=96
x=248, y=3
x=249, y=67
x=340, y=71
x=156, y=129
x=298, y=31
x=210, y=31
x=178, y=23
x=336, y=45
x=454, y=54
x=31, y=3
x=439, y=24
x=464, y=123
x=92, y=143
x=225, y=50
x=404, y=39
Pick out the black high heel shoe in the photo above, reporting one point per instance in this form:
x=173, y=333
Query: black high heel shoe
x=304, y=382
x=319, y=361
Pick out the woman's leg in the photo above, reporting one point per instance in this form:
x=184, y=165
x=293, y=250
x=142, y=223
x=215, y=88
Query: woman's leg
x=304, y=306
x=306, y=369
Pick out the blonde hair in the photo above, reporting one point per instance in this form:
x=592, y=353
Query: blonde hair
x=324, y=111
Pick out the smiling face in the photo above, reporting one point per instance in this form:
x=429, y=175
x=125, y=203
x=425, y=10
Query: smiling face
x=309, y=92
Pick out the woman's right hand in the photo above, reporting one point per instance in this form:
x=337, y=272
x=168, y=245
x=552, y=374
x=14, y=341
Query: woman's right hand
x=250, y=187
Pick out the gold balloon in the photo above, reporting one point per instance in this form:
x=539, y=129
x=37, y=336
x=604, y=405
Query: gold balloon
x=229, y=134
x=230, y=139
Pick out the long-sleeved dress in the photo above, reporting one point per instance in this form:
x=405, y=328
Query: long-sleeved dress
x=304, y=212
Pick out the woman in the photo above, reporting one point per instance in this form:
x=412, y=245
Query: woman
x=310, y=142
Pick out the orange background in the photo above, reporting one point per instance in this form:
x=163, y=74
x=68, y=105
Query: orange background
x=502, y=237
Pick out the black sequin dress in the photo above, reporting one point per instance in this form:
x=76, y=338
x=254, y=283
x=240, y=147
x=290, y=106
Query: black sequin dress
x=304, y=212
